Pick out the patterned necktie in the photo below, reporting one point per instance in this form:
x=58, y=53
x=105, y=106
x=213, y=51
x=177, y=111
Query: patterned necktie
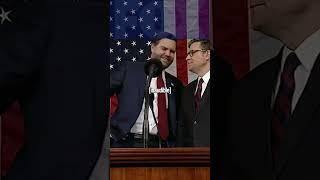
x=281, y=113
x=162, y=111
x=197, y=96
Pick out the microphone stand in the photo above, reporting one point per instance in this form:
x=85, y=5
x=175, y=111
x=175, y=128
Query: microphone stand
x=152, y=68
x=145, y=129
x=154, y=117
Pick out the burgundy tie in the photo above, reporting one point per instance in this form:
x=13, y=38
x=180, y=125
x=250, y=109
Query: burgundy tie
x=197, y=96
x=162, y=111
x=281, y=113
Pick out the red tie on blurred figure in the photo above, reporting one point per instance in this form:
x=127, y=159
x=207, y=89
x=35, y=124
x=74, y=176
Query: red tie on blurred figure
x=281, y=113
x=197, y=96
x=162, y=110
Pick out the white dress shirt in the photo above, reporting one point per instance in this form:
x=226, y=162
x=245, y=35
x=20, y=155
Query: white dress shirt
x=206, y=79
x=137, y=127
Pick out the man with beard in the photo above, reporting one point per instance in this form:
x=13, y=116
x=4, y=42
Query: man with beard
x=127, y=81
x=274, y=125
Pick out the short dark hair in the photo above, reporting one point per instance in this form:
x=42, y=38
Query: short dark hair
x=163, y=35
x=204, y=43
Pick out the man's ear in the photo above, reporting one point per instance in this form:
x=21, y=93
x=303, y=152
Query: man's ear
x=207, y=55
x=152, y=47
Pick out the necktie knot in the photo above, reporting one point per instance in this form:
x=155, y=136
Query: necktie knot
x=160, y=82
x=291, y=63
x=200, y=83
x=162, y=111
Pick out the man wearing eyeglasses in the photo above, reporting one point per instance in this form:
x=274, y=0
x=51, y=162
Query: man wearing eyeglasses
x=195, y=122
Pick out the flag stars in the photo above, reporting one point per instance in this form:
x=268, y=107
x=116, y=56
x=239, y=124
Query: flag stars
x=140, y=35
x=141, y=51
x=148, y=11
x=148, y=27
x=155, y=3
x=133, y=43
x=126, y=51
x=125, y=19
x=111, y=3
x=4, y=15
x=118, y=59
x=125, y=3
x=111, y=19
x=111, y=50
x=140, y=3
x=140, y=19
x=118, y=43
x=133, y=27
x=133, y=11
x=118, y=11
x=149, y=58
x=118, y=27
x=155, y=34
x=111, y=66
x=156, y=19
x=148, y=43
x=134, y=59
x=125, y=35
x=111, y=34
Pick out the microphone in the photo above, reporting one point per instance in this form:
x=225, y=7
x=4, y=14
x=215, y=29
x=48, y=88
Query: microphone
x=153, y=67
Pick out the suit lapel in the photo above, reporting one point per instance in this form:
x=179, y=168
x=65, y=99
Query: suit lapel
x=191, y=92
x=171, y=104
x=264, y=79
x=302, y=115
x=141, y=87
x=267, y=88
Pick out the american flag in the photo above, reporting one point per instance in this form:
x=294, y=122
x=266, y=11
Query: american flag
x=133, y=23
x=5, y=13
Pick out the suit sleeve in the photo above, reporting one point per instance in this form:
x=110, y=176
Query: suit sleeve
x=117, y=76
x=184, y=133
x=222, y=89
x=22, y=47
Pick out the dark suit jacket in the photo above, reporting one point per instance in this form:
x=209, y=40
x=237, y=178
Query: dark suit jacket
x=128, y=82
x=211, y=119
x=198, y=134
x=194, y=127
x=249, y=131
x=53, y=62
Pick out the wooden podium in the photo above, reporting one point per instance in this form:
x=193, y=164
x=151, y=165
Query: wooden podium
x=160, y=164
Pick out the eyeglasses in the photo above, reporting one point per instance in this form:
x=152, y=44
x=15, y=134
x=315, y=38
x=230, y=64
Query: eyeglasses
x=191, y=52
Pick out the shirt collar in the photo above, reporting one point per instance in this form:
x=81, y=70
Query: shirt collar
x=307, y=52
x=205, y=78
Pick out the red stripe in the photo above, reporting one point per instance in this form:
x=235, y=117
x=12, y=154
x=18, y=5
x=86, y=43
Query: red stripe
x=181, y=54
x=12, y=137
x=231, y=34
x=113, y=104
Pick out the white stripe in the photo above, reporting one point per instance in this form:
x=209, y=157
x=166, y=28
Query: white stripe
x=172, y=69
x=192, y=19
x=169, y=16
